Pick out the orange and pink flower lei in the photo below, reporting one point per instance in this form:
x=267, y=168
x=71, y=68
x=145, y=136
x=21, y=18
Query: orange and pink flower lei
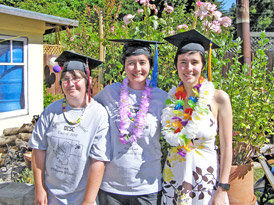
x=126, y=116
x=181, y=124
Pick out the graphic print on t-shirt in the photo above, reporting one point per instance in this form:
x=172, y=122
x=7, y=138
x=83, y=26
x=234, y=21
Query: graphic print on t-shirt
x=67, y=155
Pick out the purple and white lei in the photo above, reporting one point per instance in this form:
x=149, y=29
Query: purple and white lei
x=125, y=114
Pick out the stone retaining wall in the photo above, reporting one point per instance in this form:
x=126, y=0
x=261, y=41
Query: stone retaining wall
x=16, y=194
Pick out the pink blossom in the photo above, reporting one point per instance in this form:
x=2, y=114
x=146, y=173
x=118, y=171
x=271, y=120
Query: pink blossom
x=217, y=15
x=206, y=23
x=127, y=18
x=210, y=7
x=123, y=26
x=152, y=6
x=156, y=11
x=216, y=26
x=171, y=32
x=169, y=9
x=140, y=11
x=112, y=28
x=226, y=21
x=165, y=3
x=144, y=1
x=182, y=26
x=199, y=3
x=202, y=13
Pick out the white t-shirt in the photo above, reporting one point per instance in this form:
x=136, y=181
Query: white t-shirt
x=70, y=147
x=135, y=169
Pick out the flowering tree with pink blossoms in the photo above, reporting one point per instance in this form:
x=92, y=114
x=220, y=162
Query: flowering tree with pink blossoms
x=145, y=24
x=251, y=96
x=207, y=19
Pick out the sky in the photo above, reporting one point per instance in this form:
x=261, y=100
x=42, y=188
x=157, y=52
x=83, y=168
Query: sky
x=228, y=4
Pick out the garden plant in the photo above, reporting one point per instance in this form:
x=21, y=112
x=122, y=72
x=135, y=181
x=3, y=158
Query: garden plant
x=251, y=95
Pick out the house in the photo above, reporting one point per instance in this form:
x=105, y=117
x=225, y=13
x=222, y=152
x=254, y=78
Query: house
x=21, y=62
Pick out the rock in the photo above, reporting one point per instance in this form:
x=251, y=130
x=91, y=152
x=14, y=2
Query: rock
x=26, y=128
x=10, y=131
x=27, y=157
x=7, y=140
x=35, y=118
x=3, y=149
x=24, y=136
x=16, y=193
x=20, y=143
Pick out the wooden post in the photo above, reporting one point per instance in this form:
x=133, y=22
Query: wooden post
x=243, y=30
x=101, y=50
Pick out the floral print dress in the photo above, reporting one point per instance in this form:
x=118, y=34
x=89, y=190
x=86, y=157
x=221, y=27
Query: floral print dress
x=191, y=179
x=191, y=171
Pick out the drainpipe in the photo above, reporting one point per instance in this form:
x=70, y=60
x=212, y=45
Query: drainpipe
x=243, y=30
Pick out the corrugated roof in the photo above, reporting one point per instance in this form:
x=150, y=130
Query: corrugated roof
x=49, y=19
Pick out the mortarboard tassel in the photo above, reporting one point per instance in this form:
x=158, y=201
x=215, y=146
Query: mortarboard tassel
x=209, y=62
x=89, y=86
x=153, y=81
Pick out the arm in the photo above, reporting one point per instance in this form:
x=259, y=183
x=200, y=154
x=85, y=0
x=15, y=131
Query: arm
x=225, y=135
x=38, y=168
x=95, y=176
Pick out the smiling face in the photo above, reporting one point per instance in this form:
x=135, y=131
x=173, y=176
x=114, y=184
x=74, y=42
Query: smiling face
x=74, y=86
x=137, y=69
x=189, y=67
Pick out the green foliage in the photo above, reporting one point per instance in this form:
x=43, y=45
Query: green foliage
x=49, y=98
x=251, y=100
x=260, y=13
x=251, y=96
x=26, y=176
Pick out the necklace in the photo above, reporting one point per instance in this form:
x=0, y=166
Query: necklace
x=182, y=117
x=126, y=116
x=64, y=110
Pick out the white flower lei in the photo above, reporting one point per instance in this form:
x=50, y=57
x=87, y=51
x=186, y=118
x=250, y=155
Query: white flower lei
x=192, y=128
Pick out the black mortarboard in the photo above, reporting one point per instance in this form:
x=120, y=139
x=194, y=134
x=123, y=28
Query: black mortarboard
x=140, y=47
x=191, y=40
x=136, y=46
x=75, y=61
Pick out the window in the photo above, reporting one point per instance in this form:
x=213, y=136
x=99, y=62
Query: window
x=13, y=76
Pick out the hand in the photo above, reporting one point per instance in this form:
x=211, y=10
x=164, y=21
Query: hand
x=88, y=203
x=41, y=197
x=219, y=197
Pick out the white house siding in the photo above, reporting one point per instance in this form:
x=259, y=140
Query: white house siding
x=33, y=30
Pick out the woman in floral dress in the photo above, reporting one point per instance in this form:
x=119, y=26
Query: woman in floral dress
x=194, y=112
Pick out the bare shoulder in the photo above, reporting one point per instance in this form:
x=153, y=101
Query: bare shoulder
x=221, y=97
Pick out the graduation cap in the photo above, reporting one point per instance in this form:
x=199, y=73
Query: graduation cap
x=75, y=61
x=140, y=47
x=192, y=40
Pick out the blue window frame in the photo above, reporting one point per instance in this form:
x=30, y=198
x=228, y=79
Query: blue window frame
x=13, y=72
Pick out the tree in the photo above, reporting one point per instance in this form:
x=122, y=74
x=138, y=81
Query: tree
x=261, y=15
